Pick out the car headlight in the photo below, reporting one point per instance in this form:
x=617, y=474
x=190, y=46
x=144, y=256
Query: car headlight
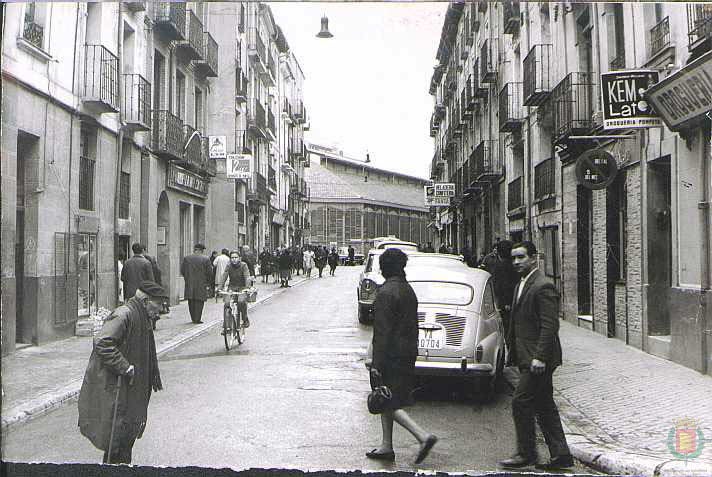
x=368, y=287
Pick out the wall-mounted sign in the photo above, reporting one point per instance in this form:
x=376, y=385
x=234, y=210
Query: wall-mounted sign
x=238, y=166
x=433, y=200
x=596, y=169
x=685, y=96
x=186, y=181
x=624, y=106
x=444, y=189
x=217, y=147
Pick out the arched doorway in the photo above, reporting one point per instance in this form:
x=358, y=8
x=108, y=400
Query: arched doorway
x=163, y=222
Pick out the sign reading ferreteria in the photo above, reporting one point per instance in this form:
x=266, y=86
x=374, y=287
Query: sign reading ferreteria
x=624, y=106
x=186, y=181
x=438, y=195
x=596, y=169
x=685, y=96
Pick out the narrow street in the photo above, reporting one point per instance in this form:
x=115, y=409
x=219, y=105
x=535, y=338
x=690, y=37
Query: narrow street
x=292, y=396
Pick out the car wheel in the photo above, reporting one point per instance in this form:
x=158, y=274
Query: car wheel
x=485, y=387
x=364, y=315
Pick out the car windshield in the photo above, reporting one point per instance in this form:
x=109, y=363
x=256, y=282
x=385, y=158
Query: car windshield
x=442, y=293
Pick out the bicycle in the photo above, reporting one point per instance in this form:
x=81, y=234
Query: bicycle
x=233, y=321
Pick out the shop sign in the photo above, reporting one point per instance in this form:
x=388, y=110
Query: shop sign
x=434, y=200
x=238, y=166
x=186, y=181
x=684, y=96
x=596, y=169
x=218, y=147
x=624, y=106
x=278, y=218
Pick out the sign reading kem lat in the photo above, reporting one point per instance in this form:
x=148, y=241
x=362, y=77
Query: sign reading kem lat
x=623, y=104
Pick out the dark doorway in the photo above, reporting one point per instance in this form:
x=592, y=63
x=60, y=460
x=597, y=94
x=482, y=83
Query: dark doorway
x=659, y=246
x=615, y=245
x=584, y=267
x=23, y=332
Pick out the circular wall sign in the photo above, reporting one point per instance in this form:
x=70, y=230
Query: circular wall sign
x=596, y=169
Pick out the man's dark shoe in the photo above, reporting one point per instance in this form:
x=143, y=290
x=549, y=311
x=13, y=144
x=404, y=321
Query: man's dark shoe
x=558, y=462
x=425, y=448
x=517, y=461
x=387, y=456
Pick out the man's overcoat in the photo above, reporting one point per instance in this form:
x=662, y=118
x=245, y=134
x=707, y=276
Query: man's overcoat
x=197, y=272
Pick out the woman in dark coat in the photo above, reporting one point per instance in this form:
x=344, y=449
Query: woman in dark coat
x=395, y=349
x=320, y=259
x=265, y=265
x=333, y=261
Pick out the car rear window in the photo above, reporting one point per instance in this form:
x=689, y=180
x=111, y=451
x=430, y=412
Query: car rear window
x=444, y=293
x=373, y=264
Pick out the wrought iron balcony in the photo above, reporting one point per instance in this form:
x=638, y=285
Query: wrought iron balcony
x=256, y=120
x=537, y=75
x=660, y=36
x=240, y=86
x=468, y=101
x=544, y=180
x=272, y=178
x=33, y=33
x=515, y=195
x=287, y=110
x=457, y=121
x=699, y=24
x=270, y=73
x=256, y=50
x=572, y=101
x=511, y=113
x=480, y=90
x=170, y=19
x=193, y=158
x=167, y=135
x=100, y=91
x=136, y=6
x=242, y=144
x=136, y=107
x=488, y=163
x=488, y=61
x=433, y=126
x=263, y=192
x=510, y=16
x=192, y=47
x=271, y=126
x=208, y=64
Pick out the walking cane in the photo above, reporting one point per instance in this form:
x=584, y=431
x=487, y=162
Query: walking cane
x=113, y=419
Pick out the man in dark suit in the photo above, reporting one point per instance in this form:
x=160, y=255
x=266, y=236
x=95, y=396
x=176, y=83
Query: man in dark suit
x=536, y=350
x=136, y=270
x=197, y=272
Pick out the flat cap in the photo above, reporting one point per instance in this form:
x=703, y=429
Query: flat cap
x=152, y=289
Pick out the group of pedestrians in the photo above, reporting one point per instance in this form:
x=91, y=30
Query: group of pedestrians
x=529, y=304
x=284, y=262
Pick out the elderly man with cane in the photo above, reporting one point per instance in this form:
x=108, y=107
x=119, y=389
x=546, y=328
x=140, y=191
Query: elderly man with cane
x=122, y=373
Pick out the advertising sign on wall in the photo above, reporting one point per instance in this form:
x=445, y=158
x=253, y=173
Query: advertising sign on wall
x=623, y=104
x=217, y=147
x=432, y=199
x=238, y=166
x=596, y=169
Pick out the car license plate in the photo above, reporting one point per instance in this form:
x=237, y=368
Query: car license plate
x=431, y=338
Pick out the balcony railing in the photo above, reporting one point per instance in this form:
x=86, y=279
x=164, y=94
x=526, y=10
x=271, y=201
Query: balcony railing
x=488, y=163
x=242, y=144
x=480, y=90
x=256, y=120
x=101, y=79
x=240, y=85
x=136, y=6
x=618, y=63
x=271, y=125
x=433, y=126
x=510, y=16
x=699, y=23
x=271, y=72
x=256, y=50
x=488, y=61
x=511, y=113
x=467, y=102
x=167, y=135
x=456, y=121
x=572, y=101
x=660, y=36
x=33, y=33
x=193, y=157
x=272, y=178
x=208, y=64
x=537, y=75
x=170, y=18
x=136, y=108
x=515, y=196
x=192, y=47
x=544, y=180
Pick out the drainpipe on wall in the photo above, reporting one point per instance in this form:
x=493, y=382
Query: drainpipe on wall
x=119, y=153
x=644, y=240
x=71, y=136
x=704, y=207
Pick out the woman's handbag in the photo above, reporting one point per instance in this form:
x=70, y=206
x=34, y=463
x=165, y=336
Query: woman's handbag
x=380, y=396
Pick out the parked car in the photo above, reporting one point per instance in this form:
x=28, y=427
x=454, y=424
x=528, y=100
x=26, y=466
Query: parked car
x=460, y=329
x=344, y=256
x=370, y=278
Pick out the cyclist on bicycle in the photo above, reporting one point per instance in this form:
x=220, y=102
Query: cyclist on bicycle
x=236, y=277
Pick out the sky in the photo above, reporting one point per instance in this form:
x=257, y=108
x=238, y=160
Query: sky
x=366, y=89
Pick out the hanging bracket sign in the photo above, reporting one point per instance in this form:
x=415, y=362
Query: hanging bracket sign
x=238, y=166
x=217, y=147
x=623, y=104
x=596, y=169
x=433, y=199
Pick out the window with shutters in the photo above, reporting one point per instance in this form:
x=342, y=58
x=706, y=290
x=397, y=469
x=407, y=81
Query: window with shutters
x=124, y=195
x=87, y=167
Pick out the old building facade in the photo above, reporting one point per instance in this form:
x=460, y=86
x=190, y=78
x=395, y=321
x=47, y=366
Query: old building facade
x=107, y=111
x=517, y=101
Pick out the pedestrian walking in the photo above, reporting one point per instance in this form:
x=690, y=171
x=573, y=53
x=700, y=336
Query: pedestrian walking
x=285, y=267
x=504, y=279
x=352, y=254
x=274, y=265
x=249, y=258
x=135, y=270
x=395, y=349
x=265, y=263
x=490, y=260
x=308, y=261
x=198, y=276
x=320, y=258
x=121, y=374
x=537, y=353
x=220, y=263
x=333, y=260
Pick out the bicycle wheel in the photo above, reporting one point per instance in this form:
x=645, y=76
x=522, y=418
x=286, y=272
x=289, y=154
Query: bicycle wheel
x=228, y=336
x=239, y=328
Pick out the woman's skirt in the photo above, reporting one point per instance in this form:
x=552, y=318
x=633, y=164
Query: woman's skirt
x=400, y=378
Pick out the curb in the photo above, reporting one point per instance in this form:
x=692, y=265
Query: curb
x=607, y=456
x=49, y=401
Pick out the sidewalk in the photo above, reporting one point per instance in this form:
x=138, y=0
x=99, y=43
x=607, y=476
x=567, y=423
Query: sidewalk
x=620, y=405
x=40, y=378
